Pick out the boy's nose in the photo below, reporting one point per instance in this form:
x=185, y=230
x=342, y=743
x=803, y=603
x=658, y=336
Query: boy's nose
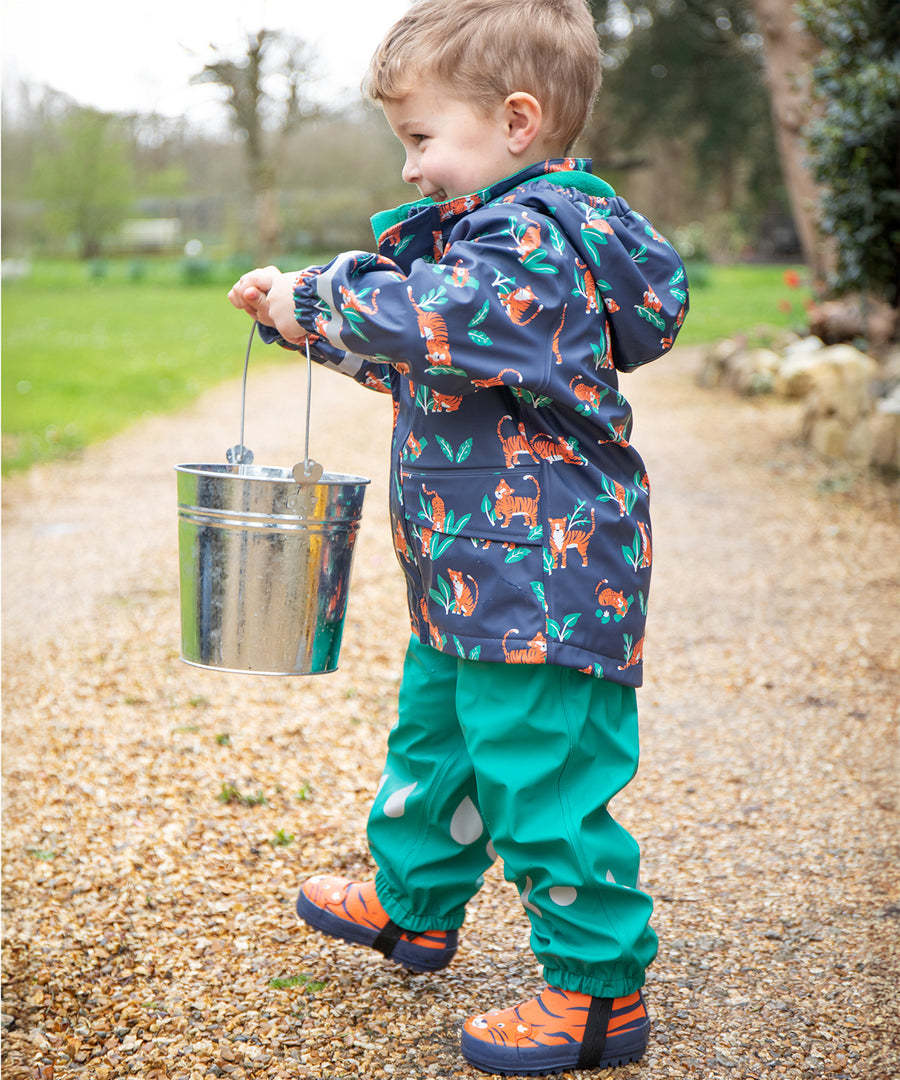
x=410, y=173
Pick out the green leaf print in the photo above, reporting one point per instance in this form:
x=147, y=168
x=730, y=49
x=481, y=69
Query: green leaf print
x=351, y=318
x=445, y=369
x=633, y=554
x=613, y=492
x=433, y=298
x=537, y=401
x=536, y=262
x=473, y=655
x=537, y=588
x=516, y=553
x=456, y=456
x=478, y=336
x=651, y=316
x=556, y=237
x=638, y=255
x=487, y=507
x=443, y=594
x=594, y=239
x=563, y=632
x=482, y=314
x=677, y=277
x=599, y=352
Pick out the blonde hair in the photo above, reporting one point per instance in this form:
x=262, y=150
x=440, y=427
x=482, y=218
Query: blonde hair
x=483, y=50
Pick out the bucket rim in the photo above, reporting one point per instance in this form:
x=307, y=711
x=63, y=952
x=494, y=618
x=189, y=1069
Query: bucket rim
x=275, y=474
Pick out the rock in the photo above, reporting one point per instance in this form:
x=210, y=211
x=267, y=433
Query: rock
x=717, y=361
x=752, y=371
x=884, y=451
x=838, y=402
x=853, y=317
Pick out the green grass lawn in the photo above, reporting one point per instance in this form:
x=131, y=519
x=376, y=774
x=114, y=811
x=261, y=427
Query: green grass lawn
x=88, y=350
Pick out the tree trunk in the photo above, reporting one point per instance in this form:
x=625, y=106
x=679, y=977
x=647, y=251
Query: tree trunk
x=789, y=54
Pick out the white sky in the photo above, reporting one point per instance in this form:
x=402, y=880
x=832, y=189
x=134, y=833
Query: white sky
x=138, y=55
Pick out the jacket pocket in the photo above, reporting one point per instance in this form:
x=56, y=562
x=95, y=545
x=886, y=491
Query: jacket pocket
x=483, y=504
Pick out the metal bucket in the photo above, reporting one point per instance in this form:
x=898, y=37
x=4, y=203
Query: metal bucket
x=265, y=567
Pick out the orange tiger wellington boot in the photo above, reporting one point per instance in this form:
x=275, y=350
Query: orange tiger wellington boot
x=558, y=1030
x=350, y=910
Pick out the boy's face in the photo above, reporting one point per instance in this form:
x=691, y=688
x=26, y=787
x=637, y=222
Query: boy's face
x=452, y=148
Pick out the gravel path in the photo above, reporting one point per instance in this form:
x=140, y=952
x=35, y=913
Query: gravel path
x=158, y=818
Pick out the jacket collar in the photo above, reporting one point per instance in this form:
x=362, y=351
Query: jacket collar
x=429, y=216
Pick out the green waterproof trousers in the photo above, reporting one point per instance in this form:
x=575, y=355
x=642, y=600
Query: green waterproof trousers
x=520, y=761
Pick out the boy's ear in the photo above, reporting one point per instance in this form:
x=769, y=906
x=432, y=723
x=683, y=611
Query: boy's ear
x=523, y=117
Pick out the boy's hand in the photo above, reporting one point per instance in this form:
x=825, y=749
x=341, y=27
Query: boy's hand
x=267, y=295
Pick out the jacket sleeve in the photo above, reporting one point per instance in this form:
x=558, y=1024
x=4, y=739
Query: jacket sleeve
x=374, y=374
x=490, y=311
x=452, y=325
x=640, y=278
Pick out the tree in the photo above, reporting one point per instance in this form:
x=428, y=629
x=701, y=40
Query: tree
x=266, y=93
x=687, y=75
x=789, y=55
x=854, y=137
x=83, y=171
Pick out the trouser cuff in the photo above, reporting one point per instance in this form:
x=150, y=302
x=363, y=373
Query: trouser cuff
x=613, y=985
x=396, y=907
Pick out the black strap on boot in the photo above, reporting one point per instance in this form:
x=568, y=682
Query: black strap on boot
x=388, y=938
x=593, y=1043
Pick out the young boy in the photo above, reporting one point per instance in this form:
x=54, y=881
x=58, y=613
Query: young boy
x=496, y=313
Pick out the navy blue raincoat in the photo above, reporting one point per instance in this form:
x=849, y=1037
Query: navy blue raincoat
x=498, y=322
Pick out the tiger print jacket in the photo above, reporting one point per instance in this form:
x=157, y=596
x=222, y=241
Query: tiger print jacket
x=497, y=322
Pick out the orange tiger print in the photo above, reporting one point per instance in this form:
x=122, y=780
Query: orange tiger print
x=412, y=449
x=590, y=289
x=425, y=537
x=459, y=274
x=590, y=395
x=646, y=554
x=517, y=300
x=563, y=536
x=445, y=402
x=612, y=599
x=510, y=505
x=464, y=600
x=557, y=448
x=438, y=510
x=434, y=330
x=497, y=380
x=621, y=497
x=458, y=206
x=535, y=652
x=513, y=445
x=374, y=383
x=400, y=545
x=391, y=236
x=611, y=305
x=530, y=239
x=352, y=301
x=555, y=345
x=637, y=655
x=651, y=300
x=435, y=636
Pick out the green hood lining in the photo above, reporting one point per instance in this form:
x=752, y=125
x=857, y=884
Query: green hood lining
x=581, y=181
